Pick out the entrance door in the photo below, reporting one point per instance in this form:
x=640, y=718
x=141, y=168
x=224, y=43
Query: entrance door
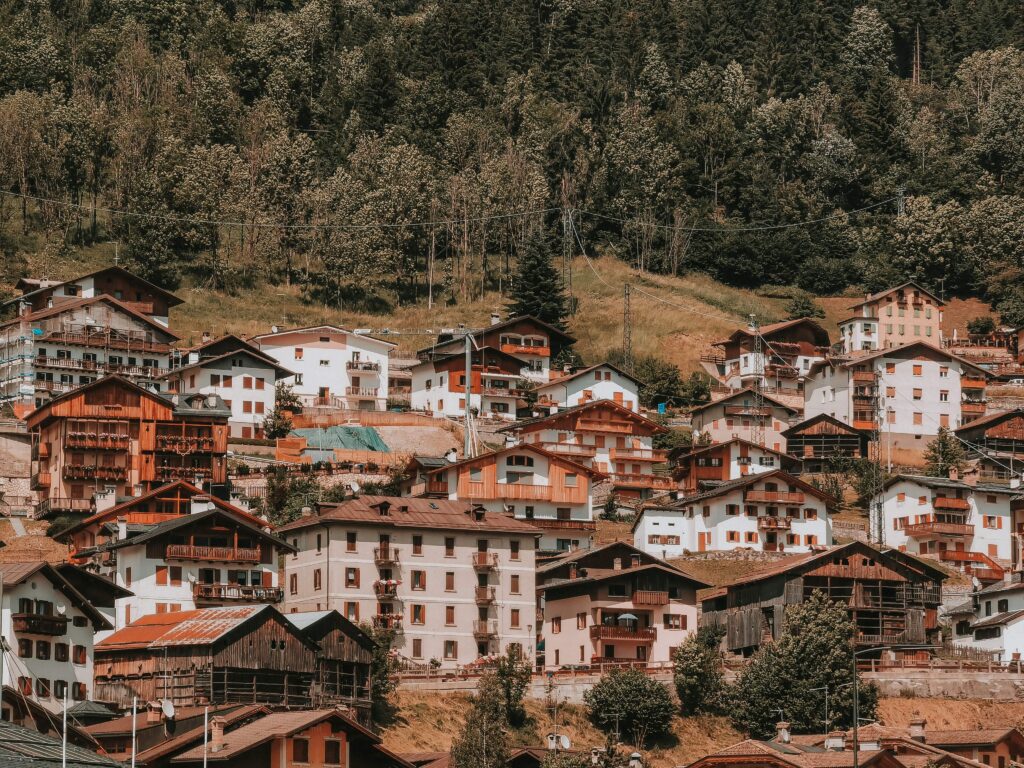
x=703, y=540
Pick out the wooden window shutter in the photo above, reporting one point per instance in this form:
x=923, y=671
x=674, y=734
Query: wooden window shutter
x=357, y=577
x=161, y=575
x=268, y=579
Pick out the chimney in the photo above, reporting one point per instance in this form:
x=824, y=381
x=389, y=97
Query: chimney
x=1015, y=482
x=206, y=337
x=566, y=369
x=617, y=564
x=199, y=504
x=307, y=511
x=782, y=732
x=573, y=571
x=970, y=476
x=274, y=329
x=954, y=473
x=216, y=733
x=495, y=318
x=451, y=456
x=917, y=729
x=104, y=499
x=122, y=528
x=154, y=713
x=835, y=741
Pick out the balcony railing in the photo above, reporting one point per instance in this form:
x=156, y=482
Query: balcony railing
x=562, y=525
x=865, y=424
x=109, y=339
x=967, y=382
x=94, y=472
x=237, y=592
x=485, y=560
x=951, y=502
x=650, y=597
x=864, y=377
x=215, y=554
x=37, y=624
x=391, y=621
x=977, y=409
x=184, y=473
x=62, y=504
x=485, y=628
x=602, y=425
x=571, y=449
x=97, y=442
x=525, y=349
x=938, y=529
x=485, y=595
x=361, y=391
x=385, y=588
x=782, y=497
x=385, y=555
x=523, y=491
x=502, y=392
x=184, y=443
x=40, y=480
x=362, y=365
x=437, y=486
x=774, y=523
x=747, y=410
x=638, y=454
x=656, y=482
x=616, y=632
x=43, y=361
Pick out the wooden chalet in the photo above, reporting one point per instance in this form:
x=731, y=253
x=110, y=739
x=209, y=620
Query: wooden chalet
x=696, y=466
x=893, y=598
x=516, y=336
x=343, y=664
x=113, y=436
x=249, y=654
x=997, y=441
x=821, y=439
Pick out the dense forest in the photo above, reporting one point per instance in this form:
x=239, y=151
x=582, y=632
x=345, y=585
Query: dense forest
x=360, y=148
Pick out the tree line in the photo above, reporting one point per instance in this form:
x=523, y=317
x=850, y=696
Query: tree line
x=371, y=151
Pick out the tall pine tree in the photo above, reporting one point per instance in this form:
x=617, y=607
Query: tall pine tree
x=536, y=286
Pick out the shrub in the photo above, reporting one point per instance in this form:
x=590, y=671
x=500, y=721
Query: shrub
x=629, y=700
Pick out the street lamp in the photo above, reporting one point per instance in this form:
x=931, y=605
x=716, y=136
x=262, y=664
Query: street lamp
x=825, y=688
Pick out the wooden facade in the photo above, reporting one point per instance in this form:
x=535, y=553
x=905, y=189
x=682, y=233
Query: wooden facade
x=114, y=434
x=822, y=439
x=892, y=598
x=998, y=441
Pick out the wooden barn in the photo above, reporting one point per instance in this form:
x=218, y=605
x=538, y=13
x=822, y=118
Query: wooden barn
x=818, y=440
x=997, y=442
x=893, y=598
x=247, y=654
x=343, y=664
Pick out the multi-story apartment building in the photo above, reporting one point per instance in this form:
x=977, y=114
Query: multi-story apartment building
x=764, y=511
x=778, y=355
x=52, y=350
x=177, y=549
x=598, y=382
x=497, y=384
x=967, y=524
x=739, y=416
x=332, y=366
x=705, y=465
x=453, y=580
x=904, y=393
x=49, y=626
x=115, y=438
x=905, y=314
x=604, y=435
x=243, y=376
x=533, y=341
x=530, y=483
x=993, y=620
x=614, y=604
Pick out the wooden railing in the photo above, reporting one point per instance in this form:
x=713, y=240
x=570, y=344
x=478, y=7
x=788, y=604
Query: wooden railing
x=385, y=555
x=865, y=377
x=650, y=597
x=217, y=554
x=638, y=454
x=94, y=472
x=485, y=627
x=387, y=621
x=523, y=491
x=564, y=525
x=747, y=410
x=485, y=594
x=657, y=482
x=361, y=391
x=486, y=560
x=185, y=443
x=934, y=528
x=771, y=497
x=233, y=592
x=951, y=502
x=362, y=365
x=98, y=442
x=37, y=624
x=600, y=425
x=570, y=449
x=614, y=632
x=774, y=523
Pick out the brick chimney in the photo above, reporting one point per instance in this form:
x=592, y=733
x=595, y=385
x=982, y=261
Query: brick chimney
x=206, y=337
x=154, y=713
x=216, y=733
x=782, y=732
x=954, y=473
x=917, y=732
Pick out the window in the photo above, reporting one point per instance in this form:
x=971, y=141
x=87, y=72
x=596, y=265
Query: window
x=571, y=479
x=917, y=369
x=25, y=685
x=128, y=577
x=325, y=363
x=300, y=750
x=60, y=689
x=25, y=648
x=917, y=393
x=43, y=687
x=78, y=654
x=419, y=580
x=476, y=474
x=293, y=584
x=332, y=752
x=514, y=618
x=519, y=461
x=351, y=577
x=556, y=625
x=317, y=579
x=417, y=544
x=750, y=537
x=581, y=620
x=417, y=648
x=451, y=649
x=675, y=621
x=60, y=651
x=890, y=391
x=42, y=649
x=890, y=367
x=514, y=584
x=732, y=536
x=449, y=581
x=766, y=461
x=918, y=418
x=418, y=614
x=990, y=498
x=513, y=550
x=616, y=590
x=993, y=521
x=352, y=611
x=810, y=540
x=78, y=691
x=732, y=509
x=350, y=541
x=449, y=546
x=810, y=513
x=1003, y=606
x=449, y=615
x=943, y=371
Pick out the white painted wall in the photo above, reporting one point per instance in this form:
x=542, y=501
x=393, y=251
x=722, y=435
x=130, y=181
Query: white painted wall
x=603, y=383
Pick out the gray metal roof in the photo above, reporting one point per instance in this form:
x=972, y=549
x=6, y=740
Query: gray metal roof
x=22, y=748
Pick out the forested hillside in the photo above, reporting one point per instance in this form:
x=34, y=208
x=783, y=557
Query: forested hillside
x=238, y=143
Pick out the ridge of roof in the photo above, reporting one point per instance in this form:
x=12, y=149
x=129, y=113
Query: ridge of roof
x=580, y=407
x=327, y=326
x=503, y=324
x=528, y=447
x=253, y=353
x=590, y=369
x=64, y=306
x=885, y=292
x=737, y=393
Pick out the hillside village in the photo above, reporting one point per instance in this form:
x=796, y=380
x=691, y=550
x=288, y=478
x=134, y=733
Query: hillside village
x=237, y=531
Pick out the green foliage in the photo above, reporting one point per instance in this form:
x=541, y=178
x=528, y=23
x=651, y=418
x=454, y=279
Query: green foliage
x=802, y=305
x=286, y=496
x=536, y=286
x=383, y=672
x=514, y=673
x=627, y=699
x=944, y=454
x=673, y=439
x=285, y=397
x=698, y=676
x=565, y=760
x=981, y=325
x=867, y=479
x=277, y=424
x=60, y=524
x=662, y=382
x=483, y=743
x=815, y=650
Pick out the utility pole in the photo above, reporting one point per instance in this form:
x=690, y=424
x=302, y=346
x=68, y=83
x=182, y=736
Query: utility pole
x=757, y=435
x=627, y=331
x=916, y=75
x=900, y=208
x=467, y=441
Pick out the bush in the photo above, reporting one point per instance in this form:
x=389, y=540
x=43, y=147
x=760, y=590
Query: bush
x=698, y=672
x=981, y=325
x=634, y=703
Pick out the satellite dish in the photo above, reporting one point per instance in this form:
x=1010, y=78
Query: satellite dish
x=167, y=708
x=563, y=741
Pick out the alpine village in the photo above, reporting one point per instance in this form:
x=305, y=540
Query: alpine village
x=511, y=384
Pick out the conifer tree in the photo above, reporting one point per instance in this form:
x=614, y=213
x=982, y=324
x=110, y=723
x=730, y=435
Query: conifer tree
x=536, y=286
x=483, y=743
x=944, y=453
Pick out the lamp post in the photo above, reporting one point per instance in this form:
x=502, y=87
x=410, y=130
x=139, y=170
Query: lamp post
x=825, y=688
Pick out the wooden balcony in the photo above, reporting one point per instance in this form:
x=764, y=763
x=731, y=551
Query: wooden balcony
x=975, y=563
x=485, y=595
x=864, y=377
x=604, y=426
x=213, y=554
x=652, y=481
x=41, y=450
x=361, y=391
x=774, y=523
x=385, y=589
x=97, y=442
x=774, y=497
x=562, y=525
x=747, y=410
x=362, y=365
x=918, y=530
x=169, y=474
x=392, y=621
x=866, y=425
x=236, y=593
x=485, y=628
x=638, y=454
x=968, y=382
x=437, y=487
x=37, y=624
x=509, y=392
x=40, y=480
x=951, y=502
x=650, y=597
x=973, y=409
x=109, y=339
x=94, y=472
x=525, y=349
x=385, y=556
x=485, y=561
x=522, y=491
x=617, y=632
x=571, y=449
x=58, y=504
x=185, y=444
